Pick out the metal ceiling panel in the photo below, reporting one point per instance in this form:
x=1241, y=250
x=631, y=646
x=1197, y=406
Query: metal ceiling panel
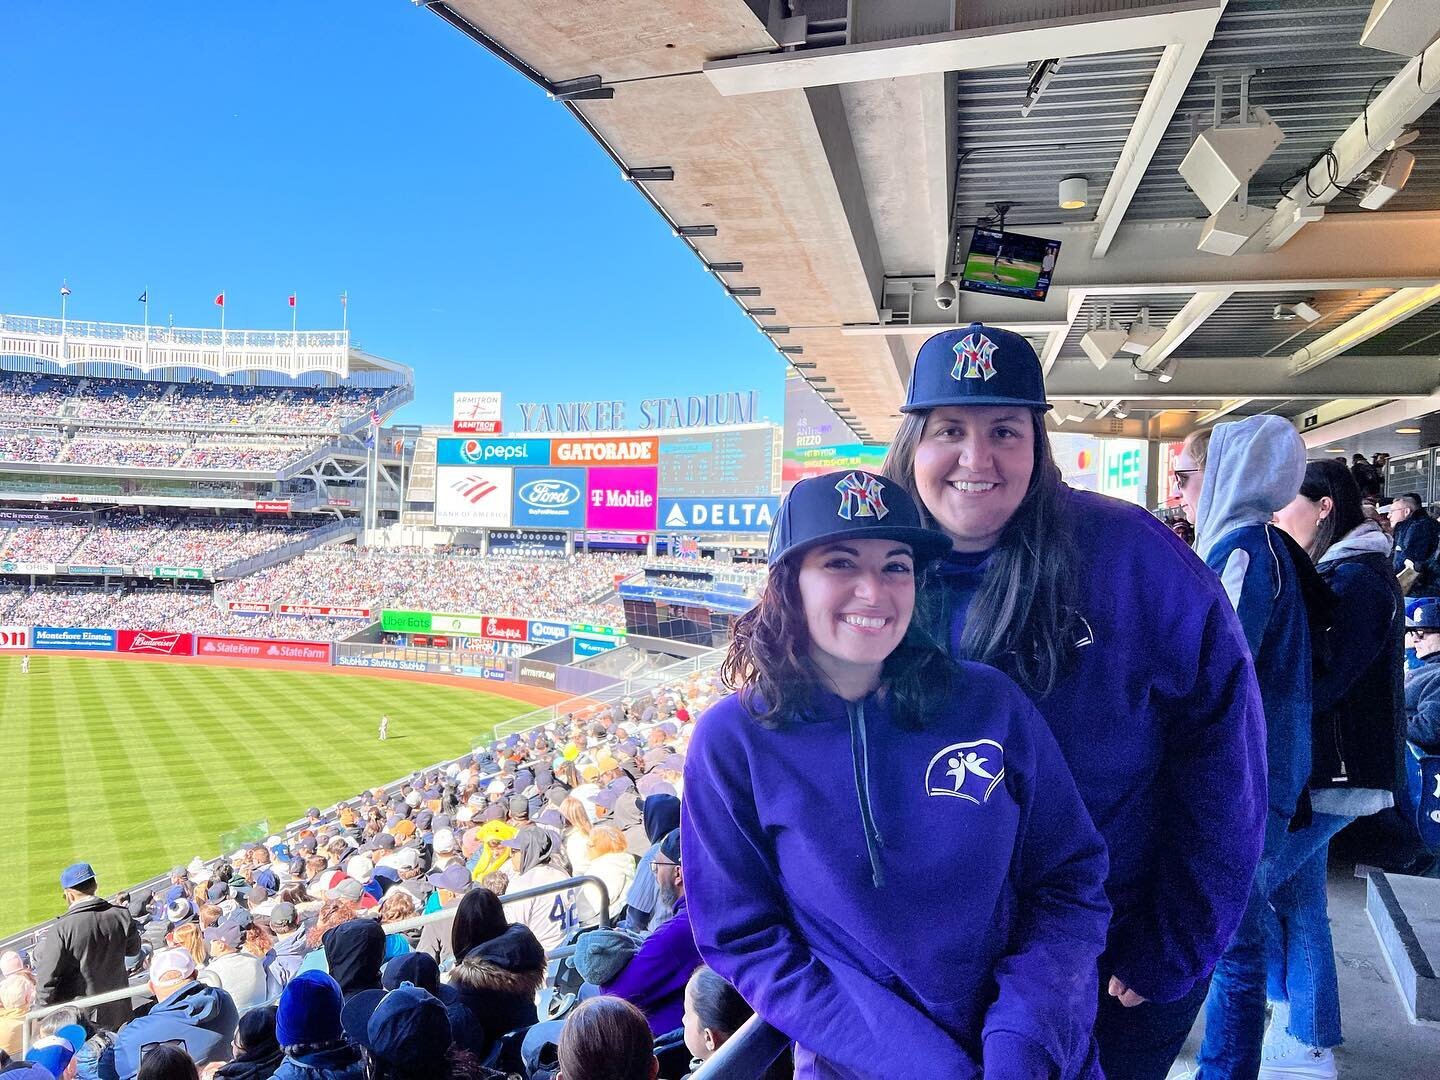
x=1123, y=309
x=1419, y=335
x=1077, y=127
x=1245, y=325
x=1311, y=75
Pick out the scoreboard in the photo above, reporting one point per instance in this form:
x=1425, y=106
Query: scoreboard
x=718, y=461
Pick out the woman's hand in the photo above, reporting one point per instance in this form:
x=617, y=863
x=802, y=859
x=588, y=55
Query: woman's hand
x=1122, y=993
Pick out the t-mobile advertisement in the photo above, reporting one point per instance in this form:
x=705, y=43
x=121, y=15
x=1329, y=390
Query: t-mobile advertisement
x=621, y=498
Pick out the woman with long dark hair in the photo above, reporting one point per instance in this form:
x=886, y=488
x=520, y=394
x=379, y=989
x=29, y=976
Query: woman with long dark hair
x=1358, y=743
x=1129, y=648
x=890, y=860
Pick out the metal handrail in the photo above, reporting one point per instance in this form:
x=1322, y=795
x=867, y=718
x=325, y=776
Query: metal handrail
x=746, y=1054
x=142, y=990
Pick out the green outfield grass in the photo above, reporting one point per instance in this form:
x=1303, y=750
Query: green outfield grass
x=982, y=268
x=135, y=767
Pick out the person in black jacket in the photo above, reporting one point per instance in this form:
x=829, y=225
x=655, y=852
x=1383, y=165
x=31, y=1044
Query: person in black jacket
x=1357, y=742
x=85, y=951
x=1416, y=538
x=257, y=1050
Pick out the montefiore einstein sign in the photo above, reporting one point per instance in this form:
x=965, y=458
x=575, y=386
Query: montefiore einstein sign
x=697, y=410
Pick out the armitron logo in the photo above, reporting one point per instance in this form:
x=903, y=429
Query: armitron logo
x=161, y=643
x=474, y=488
x=549, y=493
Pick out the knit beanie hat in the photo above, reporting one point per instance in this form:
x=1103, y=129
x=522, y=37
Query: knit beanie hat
x=309, y=1010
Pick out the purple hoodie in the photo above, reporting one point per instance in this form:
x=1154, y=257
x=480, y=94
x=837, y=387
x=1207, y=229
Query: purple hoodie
x=898, y=901
x=1161, y=723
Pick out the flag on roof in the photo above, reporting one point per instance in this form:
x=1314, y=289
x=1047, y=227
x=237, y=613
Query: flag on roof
x=220, y=299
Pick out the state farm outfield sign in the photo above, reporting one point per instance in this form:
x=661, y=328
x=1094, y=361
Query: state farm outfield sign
x=305, y=652
x=14, y=637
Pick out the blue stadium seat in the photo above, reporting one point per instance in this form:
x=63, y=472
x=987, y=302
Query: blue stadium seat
x=1423, y=793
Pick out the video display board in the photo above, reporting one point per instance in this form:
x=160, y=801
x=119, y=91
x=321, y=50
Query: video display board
x=719, y=462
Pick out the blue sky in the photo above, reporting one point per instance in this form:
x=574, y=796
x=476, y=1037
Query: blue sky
x=277, y=146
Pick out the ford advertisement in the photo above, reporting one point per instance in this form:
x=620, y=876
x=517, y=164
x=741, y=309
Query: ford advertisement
x=550, y=498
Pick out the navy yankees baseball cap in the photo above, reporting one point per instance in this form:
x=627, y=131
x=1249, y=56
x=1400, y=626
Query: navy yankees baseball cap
x=1424, y=615
x=854, y=505
x=976, y=365
x=76, y=874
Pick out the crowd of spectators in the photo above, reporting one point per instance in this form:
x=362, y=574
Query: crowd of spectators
x=30, y=445
x=27, y=395
x=451, y=582
x=147, y=541
x=294, y=958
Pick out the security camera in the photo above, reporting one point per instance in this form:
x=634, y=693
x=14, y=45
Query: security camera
x=945, y=295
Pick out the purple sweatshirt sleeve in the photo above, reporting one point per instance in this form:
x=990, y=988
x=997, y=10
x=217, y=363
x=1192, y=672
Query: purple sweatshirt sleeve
x=1046, y=1005
x=1215, y=729
x=654, y=979
x=744, y=932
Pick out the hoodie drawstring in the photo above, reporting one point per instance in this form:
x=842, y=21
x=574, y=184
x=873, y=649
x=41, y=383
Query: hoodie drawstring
x=860, y=757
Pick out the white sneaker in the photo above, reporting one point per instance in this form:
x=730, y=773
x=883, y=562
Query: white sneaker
x=1298, y=1062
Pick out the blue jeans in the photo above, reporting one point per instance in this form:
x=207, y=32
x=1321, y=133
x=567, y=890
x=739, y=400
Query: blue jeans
x=1142, y=1043
x=1302, y=957
x=1235, y=1007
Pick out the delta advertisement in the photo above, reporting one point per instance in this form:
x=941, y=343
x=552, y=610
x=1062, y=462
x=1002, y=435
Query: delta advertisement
x=155, y=642
x=729, y=515
x=304, y=652
x=82, y=638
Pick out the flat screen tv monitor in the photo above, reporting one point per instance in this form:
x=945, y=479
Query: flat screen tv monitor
x=1009, y=264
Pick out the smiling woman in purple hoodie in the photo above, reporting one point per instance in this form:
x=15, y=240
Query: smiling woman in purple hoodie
x=1129, y=648
x=885, y=853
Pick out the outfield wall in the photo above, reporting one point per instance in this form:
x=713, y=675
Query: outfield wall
x=169, y=644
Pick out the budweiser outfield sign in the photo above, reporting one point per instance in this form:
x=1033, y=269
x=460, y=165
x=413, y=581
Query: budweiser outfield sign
x=230, y=648
x=155, y=642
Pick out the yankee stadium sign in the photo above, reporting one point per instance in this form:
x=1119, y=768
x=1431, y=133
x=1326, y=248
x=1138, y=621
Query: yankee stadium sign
x=697, y=410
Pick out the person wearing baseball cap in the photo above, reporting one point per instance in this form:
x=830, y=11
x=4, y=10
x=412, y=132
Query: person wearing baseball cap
x=84, y=952
x=858, y=780
x=1422, y=682
x=1130, y=649
x=188, y=1011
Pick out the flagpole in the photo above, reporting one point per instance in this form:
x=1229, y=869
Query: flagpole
x=294, y=311
x=345, y=310
x=145, y=350
x=64, y=293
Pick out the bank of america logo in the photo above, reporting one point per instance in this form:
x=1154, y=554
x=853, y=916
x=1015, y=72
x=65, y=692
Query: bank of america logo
x=473, y=488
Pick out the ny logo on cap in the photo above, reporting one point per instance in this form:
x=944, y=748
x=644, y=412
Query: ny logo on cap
x=974, y=358
x=860, y=497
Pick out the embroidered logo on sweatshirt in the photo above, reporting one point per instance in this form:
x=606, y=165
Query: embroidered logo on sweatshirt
x=967, y=770
x=861, y=497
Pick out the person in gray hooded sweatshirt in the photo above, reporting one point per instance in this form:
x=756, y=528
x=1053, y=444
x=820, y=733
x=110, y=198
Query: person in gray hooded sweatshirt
x=1253, y=469
x=1359, y=729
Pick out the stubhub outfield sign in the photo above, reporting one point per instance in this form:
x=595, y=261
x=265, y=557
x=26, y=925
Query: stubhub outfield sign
x=735, y=514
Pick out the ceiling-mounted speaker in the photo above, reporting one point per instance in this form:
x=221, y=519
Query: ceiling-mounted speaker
x=1403, y=27
x=1228, y=229
x=1224, y=158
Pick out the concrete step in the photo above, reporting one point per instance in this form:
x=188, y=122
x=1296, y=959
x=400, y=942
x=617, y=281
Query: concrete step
x=1405, y=912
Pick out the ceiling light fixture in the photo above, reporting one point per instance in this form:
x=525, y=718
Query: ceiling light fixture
x=699, y=230
x=1395, y=308
x=1407, y=431
x=1074, y=193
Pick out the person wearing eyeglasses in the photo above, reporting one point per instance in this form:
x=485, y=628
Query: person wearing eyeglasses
x=654, y=979
x=886, y=854
x=1422, y=683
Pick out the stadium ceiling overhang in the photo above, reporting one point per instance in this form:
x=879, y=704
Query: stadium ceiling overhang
x=829, y=168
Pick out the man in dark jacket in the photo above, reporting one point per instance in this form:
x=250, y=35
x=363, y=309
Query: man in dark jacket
x=85, y=951
x=1422, y=684
x=1416, y=534
x=200, y=1016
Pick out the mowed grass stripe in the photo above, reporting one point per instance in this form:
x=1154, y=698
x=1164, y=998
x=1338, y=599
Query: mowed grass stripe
x=135, y=766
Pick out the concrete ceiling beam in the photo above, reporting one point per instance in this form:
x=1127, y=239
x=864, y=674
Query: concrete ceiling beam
x=1219, y=380
x=999, y=45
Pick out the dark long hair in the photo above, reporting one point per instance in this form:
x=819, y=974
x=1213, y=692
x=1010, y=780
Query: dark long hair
x=606, y=1038
x=1332, y=480
x=165, y=1061
x=717, y=1003
x=480, y=917
x=769, y=659
x=1023, y=618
